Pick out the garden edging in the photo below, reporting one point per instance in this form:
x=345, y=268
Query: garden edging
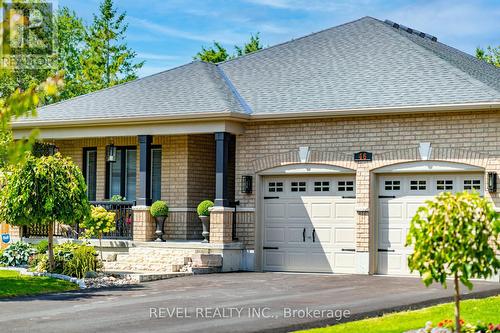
x=24, y=271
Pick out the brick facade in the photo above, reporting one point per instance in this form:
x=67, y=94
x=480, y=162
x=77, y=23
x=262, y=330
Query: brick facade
x=188, y=165
x=466, y=137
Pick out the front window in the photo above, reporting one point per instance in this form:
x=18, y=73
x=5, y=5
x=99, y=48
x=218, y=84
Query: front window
x=122, y=174
x=156, y=174
x=90, y=171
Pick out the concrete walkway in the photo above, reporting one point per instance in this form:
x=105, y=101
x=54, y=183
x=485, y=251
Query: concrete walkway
x=235, y=302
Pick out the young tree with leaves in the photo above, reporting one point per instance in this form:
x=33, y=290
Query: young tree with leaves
x=491, y=55
x=43, y=191
x=99, y=222
x=22, y=104
x=455, y=235
x=106, y=59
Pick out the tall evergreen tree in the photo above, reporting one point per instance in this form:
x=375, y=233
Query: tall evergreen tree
x=106, y=59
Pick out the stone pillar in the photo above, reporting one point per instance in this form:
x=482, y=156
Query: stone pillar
x=143, y=224
x=221, y=225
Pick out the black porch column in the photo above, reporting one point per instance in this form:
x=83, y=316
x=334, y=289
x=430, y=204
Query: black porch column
x=144, y=196
x=222, y=140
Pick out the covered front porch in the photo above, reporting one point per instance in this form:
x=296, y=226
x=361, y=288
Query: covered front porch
x=126, y=174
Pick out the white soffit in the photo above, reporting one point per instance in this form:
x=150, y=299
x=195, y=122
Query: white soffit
x=429, y=166
x=305, y=168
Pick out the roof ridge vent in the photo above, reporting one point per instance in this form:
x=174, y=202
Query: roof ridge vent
x=410, y=30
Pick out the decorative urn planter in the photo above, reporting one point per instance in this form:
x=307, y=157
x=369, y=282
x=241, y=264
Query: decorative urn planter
x=159, y=210
x=204, y=215
x=205, y=222
x=160, y=223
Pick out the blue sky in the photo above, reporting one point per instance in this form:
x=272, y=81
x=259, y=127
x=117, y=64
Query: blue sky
x=167, y=33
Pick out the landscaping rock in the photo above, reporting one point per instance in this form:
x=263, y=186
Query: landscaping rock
x=91, y=275
x=106, y=281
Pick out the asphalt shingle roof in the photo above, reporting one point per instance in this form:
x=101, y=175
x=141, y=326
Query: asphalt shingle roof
x=197, y=87
x=362, y=64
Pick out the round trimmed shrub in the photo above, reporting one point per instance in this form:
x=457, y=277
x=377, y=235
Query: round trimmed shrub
x=203, y=208
x=159, y=208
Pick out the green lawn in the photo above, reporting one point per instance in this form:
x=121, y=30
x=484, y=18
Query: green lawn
x=486, y=310
x=12, y=284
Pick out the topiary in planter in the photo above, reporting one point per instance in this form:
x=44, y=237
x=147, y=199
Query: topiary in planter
x=203, y=208
x=159, y=208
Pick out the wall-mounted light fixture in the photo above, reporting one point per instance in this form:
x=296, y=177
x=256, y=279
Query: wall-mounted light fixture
x=111, y=153
x=246, y=184
x=492, y=182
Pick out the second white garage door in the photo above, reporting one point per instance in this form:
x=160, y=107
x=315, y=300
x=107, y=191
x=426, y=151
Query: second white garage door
x=399, y=198
x=309, y=224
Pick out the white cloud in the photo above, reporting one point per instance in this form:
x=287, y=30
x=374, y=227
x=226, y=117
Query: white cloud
x=156, y=56
x=223, y=36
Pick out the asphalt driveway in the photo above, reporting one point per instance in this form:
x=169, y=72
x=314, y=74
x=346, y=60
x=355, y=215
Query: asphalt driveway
x=236, y=302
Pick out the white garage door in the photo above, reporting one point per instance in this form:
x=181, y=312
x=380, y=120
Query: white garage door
x=309, y=224
x=399, y=198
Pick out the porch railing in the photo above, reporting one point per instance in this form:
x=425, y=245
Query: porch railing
x=124, y=223
x=124, y=218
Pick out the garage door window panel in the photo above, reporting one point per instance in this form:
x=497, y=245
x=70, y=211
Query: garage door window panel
x=346, y=186
x=323, y=186
x=444, y=185
x=298, y=186
x=274, y=187
x=392, y=185
x=472, y=184
x=418, y=185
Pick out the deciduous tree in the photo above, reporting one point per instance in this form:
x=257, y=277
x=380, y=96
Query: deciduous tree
x=43, y=191
x=490, y=55
x=455, y=235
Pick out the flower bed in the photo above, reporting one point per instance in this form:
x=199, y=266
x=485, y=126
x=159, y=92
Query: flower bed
x=448, y=326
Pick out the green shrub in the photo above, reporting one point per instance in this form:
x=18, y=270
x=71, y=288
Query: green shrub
x=203, y=208
x=42, y=246
x=84, y=260
x=117, y=198
x=65, y=250
x=159, y=208
x=17, y=254
x=70, y=259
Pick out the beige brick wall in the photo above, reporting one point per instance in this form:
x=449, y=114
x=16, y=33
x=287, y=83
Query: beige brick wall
x=467, y=137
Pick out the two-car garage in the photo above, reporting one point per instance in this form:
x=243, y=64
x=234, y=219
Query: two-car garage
x=309, y=221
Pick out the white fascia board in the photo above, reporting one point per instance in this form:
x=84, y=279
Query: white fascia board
x=134, y=129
